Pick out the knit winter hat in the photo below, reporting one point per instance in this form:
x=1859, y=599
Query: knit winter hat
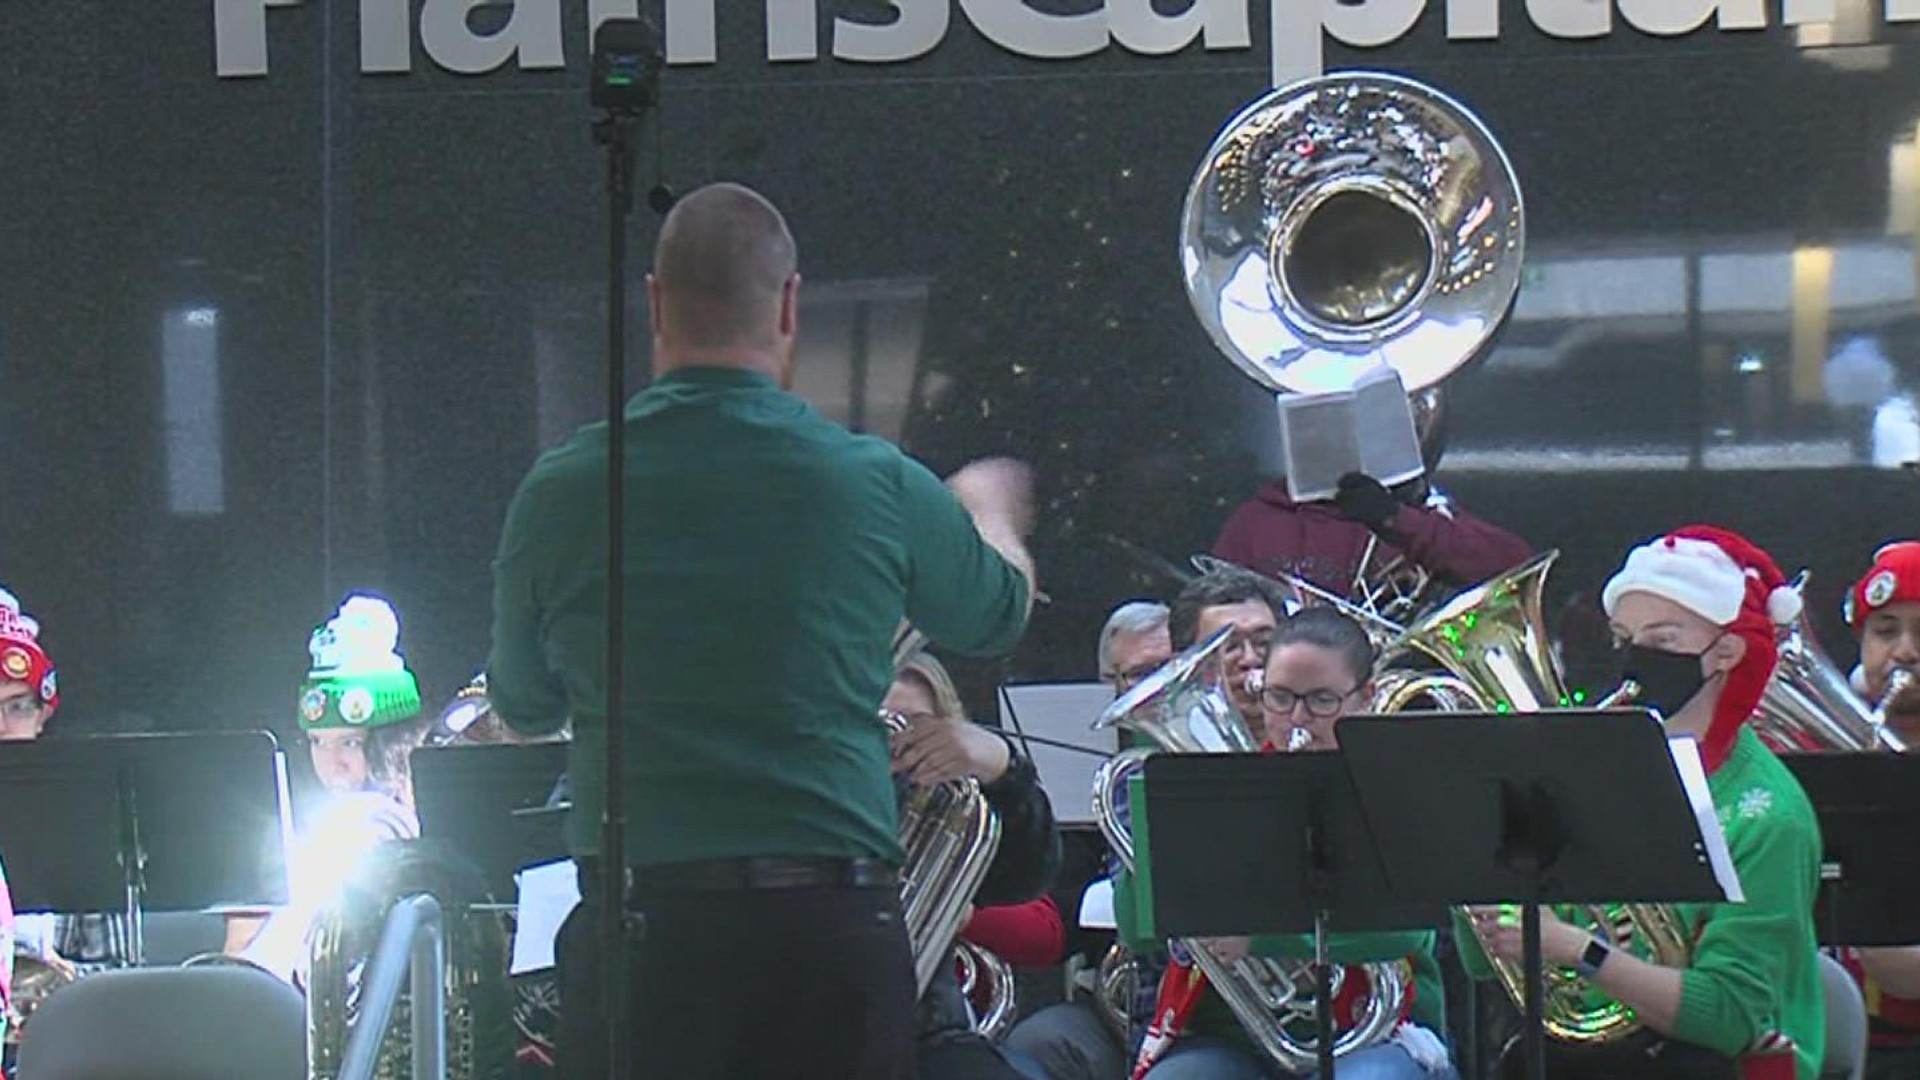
x=22, y=659
x=358, y=679
x=1727, y=580
x=1894, y=577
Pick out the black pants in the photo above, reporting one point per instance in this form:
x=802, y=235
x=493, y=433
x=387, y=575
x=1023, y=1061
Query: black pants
x=1643, y=1055
x=745, y=984
x=966, y=1057
x=1898, y=1063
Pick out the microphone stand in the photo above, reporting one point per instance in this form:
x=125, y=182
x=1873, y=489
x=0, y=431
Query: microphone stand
x=626, y=67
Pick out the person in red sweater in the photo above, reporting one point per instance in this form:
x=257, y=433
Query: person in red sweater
x=1324, y=542
x=1024, y=935
x=1883, y=608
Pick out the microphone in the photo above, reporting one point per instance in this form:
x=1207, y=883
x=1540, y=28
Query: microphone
x=626, y=66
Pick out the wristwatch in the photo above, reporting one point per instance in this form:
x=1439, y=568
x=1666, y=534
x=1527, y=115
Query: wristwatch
x=1594, y=955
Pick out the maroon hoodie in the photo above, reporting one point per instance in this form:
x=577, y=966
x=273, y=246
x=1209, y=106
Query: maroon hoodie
x=1270, y=532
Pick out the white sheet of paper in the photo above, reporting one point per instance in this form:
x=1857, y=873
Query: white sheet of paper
x=1693, y=778
x=548, y=894
x=1064, y=712
x=1096, y=906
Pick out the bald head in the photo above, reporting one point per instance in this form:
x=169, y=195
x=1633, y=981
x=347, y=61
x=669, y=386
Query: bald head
x=723, y=279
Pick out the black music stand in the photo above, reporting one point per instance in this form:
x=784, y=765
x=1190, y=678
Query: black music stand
x=1869, y=808
x=1267, y=844
x=492, y=803
x=1566, y=806
x=131, y=823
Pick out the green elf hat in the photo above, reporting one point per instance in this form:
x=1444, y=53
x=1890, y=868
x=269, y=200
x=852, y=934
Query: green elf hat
x=358, y=678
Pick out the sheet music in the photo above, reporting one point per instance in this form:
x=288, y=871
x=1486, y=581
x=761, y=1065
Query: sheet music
x=548, y=894
x=1096, y=907
x=1693, y=778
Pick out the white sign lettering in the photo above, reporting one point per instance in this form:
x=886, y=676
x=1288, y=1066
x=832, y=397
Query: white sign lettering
x=531, y=39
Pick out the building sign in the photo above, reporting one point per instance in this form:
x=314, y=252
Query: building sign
x=531, y=37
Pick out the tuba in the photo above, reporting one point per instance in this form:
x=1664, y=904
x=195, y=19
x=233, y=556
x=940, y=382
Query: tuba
x=34, y=981
x=480, y=1009
x=1491, y=642
x=1810, y=705
x=987, y=982
x=1183, y=709
x=950, y=834
x=1349, y=222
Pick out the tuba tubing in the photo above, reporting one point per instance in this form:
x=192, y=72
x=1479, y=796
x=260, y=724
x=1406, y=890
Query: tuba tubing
x=950, y=834
x=1491, y=642
x=1266, y=995
x=1183, y=709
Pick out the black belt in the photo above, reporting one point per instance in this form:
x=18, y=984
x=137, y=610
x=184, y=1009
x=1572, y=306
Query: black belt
x=764, y=872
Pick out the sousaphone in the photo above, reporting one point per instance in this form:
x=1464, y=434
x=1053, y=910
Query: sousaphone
x=1349, y=222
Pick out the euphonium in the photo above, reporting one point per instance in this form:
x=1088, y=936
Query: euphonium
x=34, y=981
x=1492, y=641
x=986, y=981
x=950, y=834
x=1183, y=709
x=1809, y=704
x=480, y=1027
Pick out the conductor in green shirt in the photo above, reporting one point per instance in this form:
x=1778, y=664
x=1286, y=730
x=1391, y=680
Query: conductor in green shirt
x=770, y=557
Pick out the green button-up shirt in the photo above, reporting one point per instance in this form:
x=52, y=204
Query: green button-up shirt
x=771, y=555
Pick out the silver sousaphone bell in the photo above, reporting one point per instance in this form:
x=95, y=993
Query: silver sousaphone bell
x=1350, y=221
x=1349, y=224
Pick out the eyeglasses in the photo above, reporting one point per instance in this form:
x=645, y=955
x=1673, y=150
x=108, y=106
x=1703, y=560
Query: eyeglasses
x=20, y=708
x=1319, y=703
x=1134, y=674
x=1258, y=642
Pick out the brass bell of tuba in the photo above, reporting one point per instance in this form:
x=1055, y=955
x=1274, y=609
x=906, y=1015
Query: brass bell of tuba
x=1351, y=222
x=1492, y=643
x=1810, y=705
x=1183, y=708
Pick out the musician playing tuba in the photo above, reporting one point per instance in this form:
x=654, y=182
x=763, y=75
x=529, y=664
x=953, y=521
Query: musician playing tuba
x=1883, y=608
x=1696, y=613
x=359, y=714
x=44, y=951
x=1319, y=668
x=1011, y=916
x=1327, y=542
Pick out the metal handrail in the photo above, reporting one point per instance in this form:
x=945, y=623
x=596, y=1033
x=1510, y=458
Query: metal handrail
x=413, y=941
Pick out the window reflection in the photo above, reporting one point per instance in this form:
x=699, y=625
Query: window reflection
x=860, y=360
x=190, y=411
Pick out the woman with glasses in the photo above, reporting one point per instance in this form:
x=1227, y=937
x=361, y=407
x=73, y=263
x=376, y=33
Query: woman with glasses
x=1319, y=669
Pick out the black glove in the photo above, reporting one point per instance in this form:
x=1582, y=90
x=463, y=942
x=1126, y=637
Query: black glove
x=1363, y=499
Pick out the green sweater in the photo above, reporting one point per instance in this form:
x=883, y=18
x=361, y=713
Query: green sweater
x=1133, y=912
x=1754, y=970
x=770, y=556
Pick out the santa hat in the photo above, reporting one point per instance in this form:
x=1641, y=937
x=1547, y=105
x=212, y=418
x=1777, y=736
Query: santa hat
x=1893, y=578
x=1724, y=578
x=358, y=679
x=21, y=657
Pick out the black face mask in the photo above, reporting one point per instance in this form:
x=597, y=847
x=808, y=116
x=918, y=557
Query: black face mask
x=1667, y=680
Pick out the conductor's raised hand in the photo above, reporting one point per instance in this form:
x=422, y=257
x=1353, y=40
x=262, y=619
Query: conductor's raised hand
x=933, y=751
x=997, y=491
